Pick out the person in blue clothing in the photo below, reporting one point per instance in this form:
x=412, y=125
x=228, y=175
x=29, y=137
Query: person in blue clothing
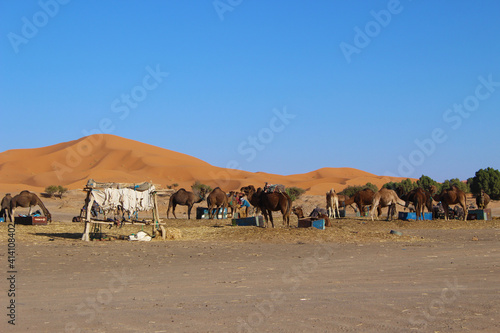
x=243, y=203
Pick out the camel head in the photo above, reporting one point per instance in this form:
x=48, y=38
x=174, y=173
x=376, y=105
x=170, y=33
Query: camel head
x=248, y=190
x=298, y=211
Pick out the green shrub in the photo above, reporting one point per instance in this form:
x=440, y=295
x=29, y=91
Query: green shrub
x=294, y=192
x=55, y=189
x=51, y=190
x=199, y=187
x=350, y=190
x=488, y=180
x=61, y=190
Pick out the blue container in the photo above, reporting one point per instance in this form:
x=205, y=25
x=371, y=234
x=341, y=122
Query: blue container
x=257, y=221
x=202, y=213
x=319, y=224
x=413, y=216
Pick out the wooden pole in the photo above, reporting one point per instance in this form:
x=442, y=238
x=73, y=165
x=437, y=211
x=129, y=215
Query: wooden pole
x=90, y=201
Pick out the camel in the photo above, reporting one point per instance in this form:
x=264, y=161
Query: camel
x=269, y=202
x=452, y=196
x=362, y=198
x=420, y=198
x=185, y=198
x=216, y=199
x=332, y=203
x=482, y=200
x=300, y=215
x=253, y=198
x=28, y=199
x=386, y=198
x=5, y=210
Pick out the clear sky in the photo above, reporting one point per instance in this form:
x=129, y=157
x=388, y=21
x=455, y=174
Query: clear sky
x=400, y=88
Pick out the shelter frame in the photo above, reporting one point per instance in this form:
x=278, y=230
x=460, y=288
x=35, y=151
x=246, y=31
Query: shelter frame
x=92, y=186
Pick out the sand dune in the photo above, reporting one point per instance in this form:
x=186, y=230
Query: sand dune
x=111, y=158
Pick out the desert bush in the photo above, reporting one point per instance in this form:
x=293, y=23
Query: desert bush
x=294, y=192
x=61, y=190
x=351, y=190
x=406, y=185
x=199, y=187
x=55, y=189
x=51, y=190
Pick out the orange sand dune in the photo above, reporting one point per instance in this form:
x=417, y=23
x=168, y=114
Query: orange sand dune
x=110, y=158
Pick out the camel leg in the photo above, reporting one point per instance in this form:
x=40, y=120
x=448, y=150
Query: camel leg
x=271, y=217
x=374, y=207
x=189, y=212
x=173, y=211
x=445, y=207
x=86, y=230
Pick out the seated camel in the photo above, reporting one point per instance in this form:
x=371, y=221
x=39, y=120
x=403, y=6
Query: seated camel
x=300, y=214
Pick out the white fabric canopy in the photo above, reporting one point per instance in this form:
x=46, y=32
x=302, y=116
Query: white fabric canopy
x=131, y=200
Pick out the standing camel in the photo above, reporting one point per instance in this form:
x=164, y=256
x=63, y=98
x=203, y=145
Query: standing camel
x=386, y=198
x=332, y=203
x=452, y=196
x=28, y=199
x=482, y=200
x=185, y=198
x=253, y=197
x=270, y=202
x=216, y=199
x=5, y=207
x=420, y=198
x=363, y=198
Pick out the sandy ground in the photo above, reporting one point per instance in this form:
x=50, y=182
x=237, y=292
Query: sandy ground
x=354, y=277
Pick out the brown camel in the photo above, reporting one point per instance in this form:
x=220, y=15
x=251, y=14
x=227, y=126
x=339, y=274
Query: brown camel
x=216, y=199
x=420, y=199
x=5, y=210
x=452, y=196
x=270, y=202
x=28, y=199
x=482, y=200
x=386, y=198
x=300, y=214
x=332, y=203
x=252, y=196
x=363, y=198
x=185, y=198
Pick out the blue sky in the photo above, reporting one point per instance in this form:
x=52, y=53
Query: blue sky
x=400, y=88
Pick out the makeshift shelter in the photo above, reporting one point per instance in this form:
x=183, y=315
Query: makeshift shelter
x=130, y=198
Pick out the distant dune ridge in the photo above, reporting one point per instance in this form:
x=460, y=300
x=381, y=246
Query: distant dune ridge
x=109, y=158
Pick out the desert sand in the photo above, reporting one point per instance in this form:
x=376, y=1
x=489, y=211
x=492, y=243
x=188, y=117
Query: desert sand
x=210, y=276
x=111, y=158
